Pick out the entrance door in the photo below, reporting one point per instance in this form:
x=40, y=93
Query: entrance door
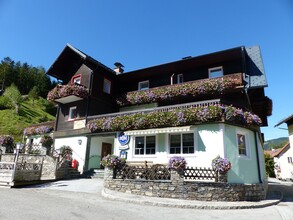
x=106, y=149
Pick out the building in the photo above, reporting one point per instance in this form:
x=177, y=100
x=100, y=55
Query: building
x=196, y=107
x=283, y=157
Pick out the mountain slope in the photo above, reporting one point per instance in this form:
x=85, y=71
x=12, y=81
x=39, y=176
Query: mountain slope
x=275, y=143
x=29, y=113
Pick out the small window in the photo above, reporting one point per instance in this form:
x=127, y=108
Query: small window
x=145, y=145
x=290, y=160
x=182, y=143
x=72, y=113
x=242, y=147
x=216, y=72
x=76, y=79
x=107, y=86
x=180, y=78
x=144, y=85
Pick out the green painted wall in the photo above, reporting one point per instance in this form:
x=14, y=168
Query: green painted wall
x=244, y=169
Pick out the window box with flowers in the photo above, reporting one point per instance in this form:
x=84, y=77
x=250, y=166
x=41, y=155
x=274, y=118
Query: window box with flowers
x=193, y=89
x=175, y=118
x=68, y=93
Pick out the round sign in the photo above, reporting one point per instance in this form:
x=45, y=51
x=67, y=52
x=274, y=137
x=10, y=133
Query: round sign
x=123, y=138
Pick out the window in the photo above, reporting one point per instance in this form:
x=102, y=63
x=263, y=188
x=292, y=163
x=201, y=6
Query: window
x=145, y=145
x=76, y=79
x=72, y=113
x=144, y=85
x=182, y=143
x=241, y=142
x=216, y=72
x=290, y=160
x=180, y=78
x=107, y=86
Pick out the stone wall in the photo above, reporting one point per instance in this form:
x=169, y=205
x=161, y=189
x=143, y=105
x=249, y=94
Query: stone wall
x=177, y=188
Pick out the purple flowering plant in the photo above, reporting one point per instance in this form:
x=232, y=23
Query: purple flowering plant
x=38, y=130
x=61, y=91
x=173, y=118
x=113, y=161
x=177, y=163
x=221, y=165
x=192, y=89
x=6, y=140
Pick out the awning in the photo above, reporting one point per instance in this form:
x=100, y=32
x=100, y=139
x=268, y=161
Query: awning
x=160, y=130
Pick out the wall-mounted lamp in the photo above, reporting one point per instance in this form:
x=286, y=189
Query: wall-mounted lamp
x=79, y=141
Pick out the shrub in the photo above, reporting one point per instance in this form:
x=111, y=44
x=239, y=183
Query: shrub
x=46, y=141
x=113, y=161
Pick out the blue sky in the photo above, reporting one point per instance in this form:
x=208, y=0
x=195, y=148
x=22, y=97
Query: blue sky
x=144, y=33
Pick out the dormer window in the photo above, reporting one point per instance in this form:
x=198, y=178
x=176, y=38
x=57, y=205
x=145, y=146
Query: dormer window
x=76, y=79
x=144, y=85
x=107, y=86
x=180, y=78
x=216, y=72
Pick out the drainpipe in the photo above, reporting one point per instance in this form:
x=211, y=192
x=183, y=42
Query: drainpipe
x=90, y=93
x=257, y=157
x=171, y=79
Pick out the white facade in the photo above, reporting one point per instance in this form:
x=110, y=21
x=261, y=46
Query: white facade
x=284, y=164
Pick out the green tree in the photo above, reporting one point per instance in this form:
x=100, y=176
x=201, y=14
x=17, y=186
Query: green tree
x=34, y=94
x=14, y=96
x=269, y=163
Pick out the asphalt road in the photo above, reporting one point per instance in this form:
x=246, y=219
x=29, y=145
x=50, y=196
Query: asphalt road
x=81, y=199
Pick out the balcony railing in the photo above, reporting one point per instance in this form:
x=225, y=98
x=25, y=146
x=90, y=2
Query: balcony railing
x=68, y=93
x=214, y=86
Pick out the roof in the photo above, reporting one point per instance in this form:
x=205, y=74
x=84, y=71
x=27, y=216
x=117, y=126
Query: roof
x=182, y=64
x=270, y=152
x=283, y=149
x=290, y=118
x=69, y=60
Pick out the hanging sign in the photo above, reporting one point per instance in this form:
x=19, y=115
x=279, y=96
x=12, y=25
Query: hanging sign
x=123, y=138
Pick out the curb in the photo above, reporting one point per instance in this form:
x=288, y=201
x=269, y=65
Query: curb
x=188, y=204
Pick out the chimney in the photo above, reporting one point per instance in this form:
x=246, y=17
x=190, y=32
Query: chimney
x=118, y=68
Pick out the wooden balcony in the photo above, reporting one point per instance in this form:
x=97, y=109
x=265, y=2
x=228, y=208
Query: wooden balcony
x=191, y=89
x=68, y=93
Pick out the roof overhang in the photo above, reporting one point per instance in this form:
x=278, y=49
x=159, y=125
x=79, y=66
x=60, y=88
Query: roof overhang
x=160, y=130
x=288, y=120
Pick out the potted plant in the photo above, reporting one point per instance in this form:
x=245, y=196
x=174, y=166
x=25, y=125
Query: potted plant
x=221, y=167
x=47, y=142
x=112, y=161
x=7, y=142
x=177, y=163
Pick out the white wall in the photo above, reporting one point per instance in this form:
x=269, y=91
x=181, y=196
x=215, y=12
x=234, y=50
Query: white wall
x=286, y=168
x=79, y=151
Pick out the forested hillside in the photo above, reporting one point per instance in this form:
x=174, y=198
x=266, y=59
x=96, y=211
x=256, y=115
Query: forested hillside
x=25, y=77
x=23, y=92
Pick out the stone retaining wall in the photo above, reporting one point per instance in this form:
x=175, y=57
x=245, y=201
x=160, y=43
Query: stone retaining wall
x=177, y=188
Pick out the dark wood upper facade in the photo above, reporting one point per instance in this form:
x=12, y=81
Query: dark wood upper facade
x=105, y=85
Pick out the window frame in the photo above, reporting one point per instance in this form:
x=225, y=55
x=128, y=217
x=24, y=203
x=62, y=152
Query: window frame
x=141, y=82
x=107, y=79
x=180, y=76
x=144, y=145
x=70, y=113
x=290, y=160
x=181, y=143
x=216, y=68
x=78, y=76
x=247, y=145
